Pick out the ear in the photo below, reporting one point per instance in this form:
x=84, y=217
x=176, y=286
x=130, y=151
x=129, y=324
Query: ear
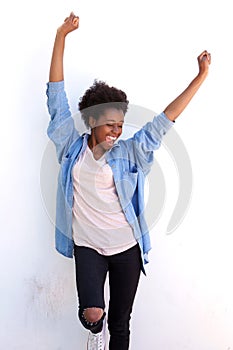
x=92, y=122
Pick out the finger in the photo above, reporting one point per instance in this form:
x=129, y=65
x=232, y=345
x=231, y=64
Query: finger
x=209, y=57
x=204, y=55
x=75, y=21
x=72, y=15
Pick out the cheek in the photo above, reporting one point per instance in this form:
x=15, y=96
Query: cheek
x=101, y=131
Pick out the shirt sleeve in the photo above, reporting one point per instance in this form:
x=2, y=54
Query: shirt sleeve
x=149, y=138
x=61, y=129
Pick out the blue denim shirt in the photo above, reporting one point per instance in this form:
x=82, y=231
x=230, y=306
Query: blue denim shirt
x=130, y=161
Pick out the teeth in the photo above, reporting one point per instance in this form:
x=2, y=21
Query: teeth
x=111, y=139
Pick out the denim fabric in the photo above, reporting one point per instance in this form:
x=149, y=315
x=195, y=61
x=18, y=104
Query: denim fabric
x=124, y=273
x=130, y=161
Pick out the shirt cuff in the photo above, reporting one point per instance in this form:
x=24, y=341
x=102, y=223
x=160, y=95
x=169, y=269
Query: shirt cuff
x=55, y=85
x=167, y=123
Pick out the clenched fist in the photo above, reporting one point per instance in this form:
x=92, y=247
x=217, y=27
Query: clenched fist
x=70, y=23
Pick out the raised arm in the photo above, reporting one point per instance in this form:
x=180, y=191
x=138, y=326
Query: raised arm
x=61, y=129
x=56, y=68
x=176, y=107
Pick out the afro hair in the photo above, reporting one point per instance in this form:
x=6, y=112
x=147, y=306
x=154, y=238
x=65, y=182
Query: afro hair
x=100, y=97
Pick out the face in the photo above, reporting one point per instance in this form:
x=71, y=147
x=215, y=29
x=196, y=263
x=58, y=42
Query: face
x=106, y=130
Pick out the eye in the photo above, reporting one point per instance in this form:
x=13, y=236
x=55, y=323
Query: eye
x=112, y=125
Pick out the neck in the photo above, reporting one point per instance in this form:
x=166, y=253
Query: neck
x=97, y=150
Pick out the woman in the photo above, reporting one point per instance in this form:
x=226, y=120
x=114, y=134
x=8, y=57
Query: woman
x=99, y=218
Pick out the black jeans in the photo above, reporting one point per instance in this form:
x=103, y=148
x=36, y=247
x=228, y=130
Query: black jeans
x=124, y=272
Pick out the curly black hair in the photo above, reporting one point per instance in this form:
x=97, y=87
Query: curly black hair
x=98, y=98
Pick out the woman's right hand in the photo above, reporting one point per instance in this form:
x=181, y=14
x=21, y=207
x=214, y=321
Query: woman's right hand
x=56, y=67
x=70, y=24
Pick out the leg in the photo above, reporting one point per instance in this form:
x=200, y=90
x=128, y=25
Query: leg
x=91, y=270
x=124, y=273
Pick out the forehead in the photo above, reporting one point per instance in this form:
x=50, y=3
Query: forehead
x=113, y=115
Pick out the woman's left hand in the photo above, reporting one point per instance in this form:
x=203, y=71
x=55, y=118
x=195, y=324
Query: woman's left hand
x=204, y=60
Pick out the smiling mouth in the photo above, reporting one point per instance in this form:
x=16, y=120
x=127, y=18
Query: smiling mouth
x=110, y=139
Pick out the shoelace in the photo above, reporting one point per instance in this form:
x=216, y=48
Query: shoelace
x=96, y=342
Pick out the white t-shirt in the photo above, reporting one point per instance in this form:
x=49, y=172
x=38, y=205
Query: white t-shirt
x=98, y=219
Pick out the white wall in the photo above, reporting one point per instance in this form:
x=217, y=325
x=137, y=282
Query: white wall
x=148, y=49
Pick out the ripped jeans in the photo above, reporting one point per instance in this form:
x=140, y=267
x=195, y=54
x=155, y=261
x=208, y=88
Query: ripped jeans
x=124, y=273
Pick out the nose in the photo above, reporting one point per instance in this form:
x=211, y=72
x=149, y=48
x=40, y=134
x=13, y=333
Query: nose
x=116, y=129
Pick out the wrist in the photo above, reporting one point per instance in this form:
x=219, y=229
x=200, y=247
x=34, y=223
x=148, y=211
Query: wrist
x=61, y=33
x=203, y=73
x=201, y=76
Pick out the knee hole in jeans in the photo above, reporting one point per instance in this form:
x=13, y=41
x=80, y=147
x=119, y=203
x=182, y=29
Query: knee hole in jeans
x=92, y=315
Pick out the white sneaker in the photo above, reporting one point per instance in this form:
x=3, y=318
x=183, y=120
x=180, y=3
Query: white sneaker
x=97, y=341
